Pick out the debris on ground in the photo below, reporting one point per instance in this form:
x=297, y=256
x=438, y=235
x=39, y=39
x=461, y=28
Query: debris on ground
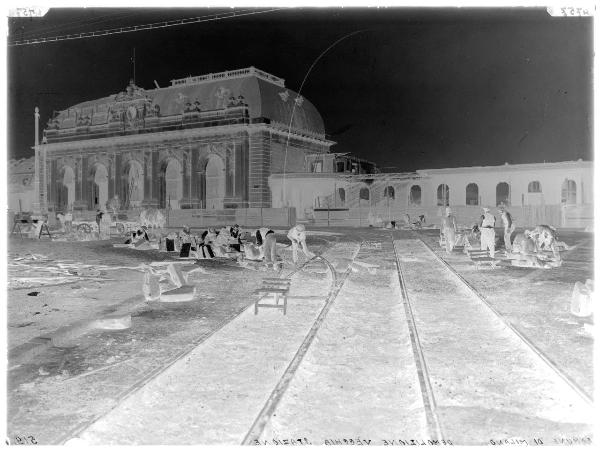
x=581, y=299
x=33, y=294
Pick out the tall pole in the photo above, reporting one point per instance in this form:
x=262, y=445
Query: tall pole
x=36, y=204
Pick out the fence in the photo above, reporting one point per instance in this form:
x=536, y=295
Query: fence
x=572, y=216
x=245, y=217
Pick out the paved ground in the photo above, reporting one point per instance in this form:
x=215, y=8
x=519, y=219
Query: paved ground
x=203, y=372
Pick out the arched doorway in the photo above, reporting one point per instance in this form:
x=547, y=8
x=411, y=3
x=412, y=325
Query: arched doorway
x=215, y=182
x=443, y=195
x=99, y=191
x=134, y=185
x=503, y=194
x=568, y=192
x=173, y=184
x=66, y=189
x=472, y=194
x=414, y=196
x=364, y=194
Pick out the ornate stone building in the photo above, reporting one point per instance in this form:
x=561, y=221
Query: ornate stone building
x=208, y=142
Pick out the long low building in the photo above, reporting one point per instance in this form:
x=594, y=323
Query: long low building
x=559, y=193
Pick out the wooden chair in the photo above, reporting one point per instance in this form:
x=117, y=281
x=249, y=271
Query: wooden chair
x=278, y=287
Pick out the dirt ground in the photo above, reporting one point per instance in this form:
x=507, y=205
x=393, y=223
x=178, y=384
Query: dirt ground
x=537, y=301
x=55, y=393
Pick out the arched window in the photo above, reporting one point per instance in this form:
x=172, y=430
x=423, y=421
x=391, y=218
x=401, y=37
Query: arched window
x=364, y=194
x=389, y=192
x=342, y=196
x=534, y=187
x=568, y=193
x=472, y=194
x=503, y=194
x=443, y=195
x=414, y=195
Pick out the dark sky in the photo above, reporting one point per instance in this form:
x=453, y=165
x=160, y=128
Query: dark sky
x=417, y=89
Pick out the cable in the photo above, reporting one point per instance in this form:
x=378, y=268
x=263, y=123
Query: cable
x=65, y=26
x=151, y=26
x=298, y=96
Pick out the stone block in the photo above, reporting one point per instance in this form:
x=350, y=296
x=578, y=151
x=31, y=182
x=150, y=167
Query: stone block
x=114, y=322
x=581, y=299
x=180, y=294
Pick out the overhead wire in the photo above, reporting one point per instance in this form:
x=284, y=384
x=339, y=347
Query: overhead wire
x=134, y=28
x=52, y=28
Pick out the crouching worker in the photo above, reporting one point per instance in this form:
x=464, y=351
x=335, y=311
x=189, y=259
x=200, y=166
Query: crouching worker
x=448, y=230
x=204, y=246
x=265, y=240
x=297, y=235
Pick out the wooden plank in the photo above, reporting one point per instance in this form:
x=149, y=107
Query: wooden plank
x=271, y=291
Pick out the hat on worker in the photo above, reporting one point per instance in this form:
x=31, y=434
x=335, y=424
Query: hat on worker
x=300, y=227
x=486, y=209
x=448, y=210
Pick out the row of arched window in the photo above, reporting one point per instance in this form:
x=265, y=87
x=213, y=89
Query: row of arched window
x=568, y=193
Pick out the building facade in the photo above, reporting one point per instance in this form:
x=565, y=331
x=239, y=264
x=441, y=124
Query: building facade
x=205, y=142
x=559, y=194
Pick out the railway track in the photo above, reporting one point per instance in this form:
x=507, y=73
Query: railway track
x=278, y=392
x=528, y=342
x=327, y=244
x=429, y=402
x=429, y=389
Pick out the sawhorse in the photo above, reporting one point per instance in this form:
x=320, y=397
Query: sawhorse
x=43, y=228
x=277, y=287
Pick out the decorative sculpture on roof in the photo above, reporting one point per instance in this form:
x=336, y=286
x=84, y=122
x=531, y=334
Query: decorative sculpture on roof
x=152, y=110
x=285, y=95
x=132, y=92
x=222, y=95
x=84, y=121
x=53, y=124
x=115, y=115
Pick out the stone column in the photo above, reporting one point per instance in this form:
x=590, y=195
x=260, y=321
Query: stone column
x=201, y=160
x=111, y=176
x=260, y=169
x=117, y=180
x=195, y=168
x=53, y=184
x=150, y=179
x=185, y=201
x=236, y=168
x=80, y=202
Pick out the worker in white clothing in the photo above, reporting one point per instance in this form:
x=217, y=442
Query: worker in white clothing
x=448, y=230
x=488, y=234
x=297, y=235
x=509, y=227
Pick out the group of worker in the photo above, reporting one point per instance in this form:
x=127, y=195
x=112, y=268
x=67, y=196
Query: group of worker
x=526, y=248
x=485, y=228
x=232, y=241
